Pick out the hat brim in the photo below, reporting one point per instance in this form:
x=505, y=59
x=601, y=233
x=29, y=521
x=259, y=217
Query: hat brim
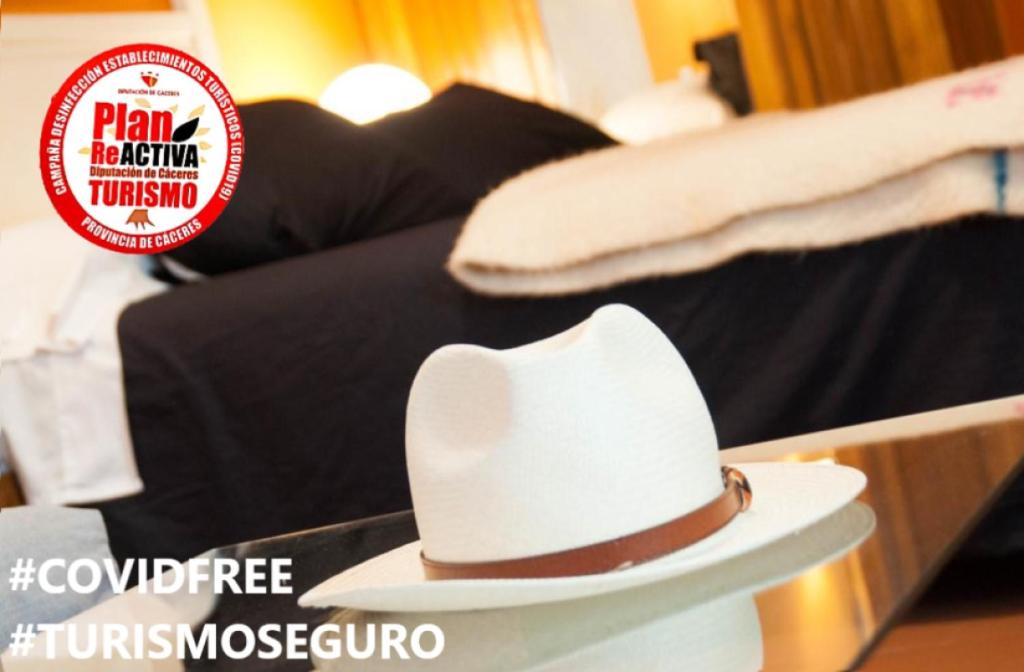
x=789, y=498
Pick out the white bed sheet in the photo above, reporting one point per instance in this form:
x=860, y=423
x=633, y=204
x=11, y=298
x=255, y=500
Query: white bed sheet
x=62, y=401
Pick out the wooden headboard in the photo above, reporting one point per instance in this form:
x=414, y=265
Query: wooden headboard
x=39, y=52
x=10, y=494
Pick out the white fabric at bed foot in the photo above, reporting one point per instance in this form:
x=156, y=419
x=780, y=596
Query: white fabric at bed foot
x=62, y=402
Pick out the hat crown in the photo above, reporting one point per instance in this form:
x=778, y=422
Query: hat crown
x=594, y=433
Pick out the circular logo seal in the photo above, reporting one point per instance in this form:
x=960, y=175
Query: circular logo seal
x=141, y=149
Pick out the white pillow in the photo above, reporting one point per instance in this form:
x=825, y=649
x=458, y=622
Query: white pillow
x=55, y=288
x=40, y=263
x=683, y=105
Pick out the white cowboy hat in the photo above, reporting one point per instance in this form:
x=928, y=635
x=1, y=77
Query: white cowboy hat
x=576, y=466
x=704, y=620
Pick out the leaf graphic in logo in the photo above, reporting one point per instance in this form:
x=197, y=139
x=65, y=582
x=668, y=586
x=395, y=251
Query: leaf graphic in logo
x=205, y=145
x=197, y=112
x=202, y=131
x=185, y=131
x=142, y=102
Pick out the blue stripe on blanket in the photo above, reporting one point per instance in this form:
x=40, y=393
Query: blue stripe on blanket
x=1000, y=163
x=3, y=463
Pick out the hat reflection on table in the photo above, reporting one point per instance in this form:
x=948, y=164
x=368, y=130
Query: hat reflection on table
x=719, y=636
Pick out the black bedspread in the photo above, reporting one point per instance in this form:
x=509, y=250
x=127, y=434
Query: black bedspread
x=273, y=399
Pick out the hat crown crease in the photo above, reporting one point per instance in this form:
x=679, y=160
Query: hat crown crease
x=595, y=433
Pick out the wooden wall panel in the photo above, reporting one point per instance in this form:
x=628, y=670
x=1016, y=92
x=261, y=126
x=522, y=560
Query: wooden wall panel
x=285, y=49
x=764, y=58
x=1010, y=16
x=535, y=48
x=505, y=46
x=498, y=43
x=972, y=30
x=876, y=58
x=21, y=6
x=385, y=30
x=294, y=48
x=834, y=50
x=803, y=86
x=918, y=38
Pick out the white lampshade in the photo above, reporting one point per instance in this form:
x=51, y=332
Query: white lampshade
x=366, y=93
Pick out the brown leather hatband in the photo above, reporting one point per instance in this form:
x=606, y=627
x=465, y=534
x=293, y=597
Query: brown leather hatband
x=620, y=553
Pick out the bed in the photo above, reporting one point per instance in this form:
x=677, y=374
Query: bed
x=286, y=411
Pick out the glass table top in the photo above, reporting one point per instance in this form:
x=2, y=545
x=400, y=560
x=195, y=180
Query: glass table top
x=927, y=493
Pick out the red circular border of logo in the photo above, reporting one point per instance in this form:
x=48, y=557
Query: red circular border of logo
x=68, y=207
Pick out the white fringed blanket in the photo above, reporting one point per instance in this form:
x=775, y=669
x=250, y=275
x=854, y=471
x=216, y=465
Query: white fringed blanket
x=900, y=160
